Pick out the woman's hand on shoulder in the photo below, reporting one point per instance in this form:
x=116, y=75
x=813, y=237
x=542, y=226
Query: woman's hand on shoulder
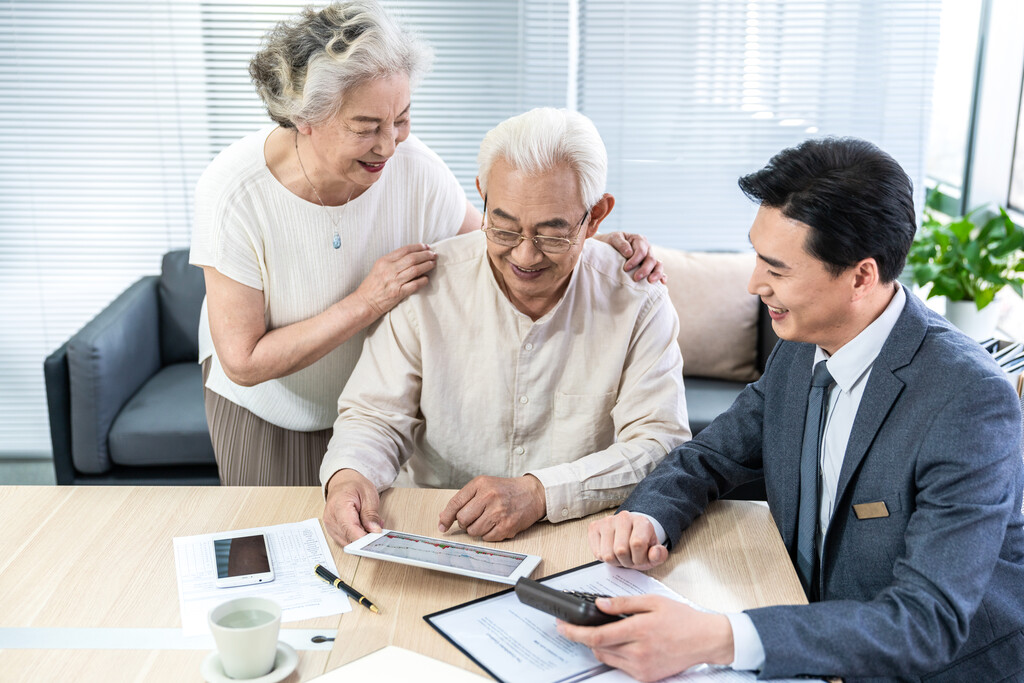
x=637, y=252
x=395, y=276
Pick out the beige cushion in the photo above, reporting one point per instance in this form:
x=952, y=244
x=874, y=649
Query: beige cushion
x=717, y=317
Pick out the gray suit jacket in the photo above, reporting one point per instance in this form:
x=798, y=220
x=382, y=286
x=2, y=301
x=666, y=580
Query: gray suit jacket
x=935, y=590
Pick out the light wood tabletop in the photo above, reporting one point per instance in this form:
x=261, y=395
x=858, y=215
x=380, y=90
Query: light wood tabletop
x=102, y=558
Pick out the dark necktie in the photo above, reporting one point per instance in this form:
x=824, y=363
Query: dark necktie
x=810, y=456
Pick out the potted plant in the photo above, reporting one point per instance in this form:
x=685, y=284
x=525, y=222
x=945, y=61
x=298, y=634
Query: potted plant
x=967, y=259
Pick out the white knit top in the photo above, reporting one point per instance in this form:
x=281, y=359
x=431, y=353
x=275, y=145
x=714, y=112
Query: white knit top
x=253, y=230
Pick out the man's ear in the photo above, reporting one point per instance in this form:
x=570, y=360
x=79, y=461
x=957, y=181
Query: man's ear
x=480, y=191
x=598, y=212
x=865, y=278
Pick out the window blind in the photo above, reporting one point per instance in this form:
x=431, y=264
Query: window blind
x=110, y=110
x=691, y=94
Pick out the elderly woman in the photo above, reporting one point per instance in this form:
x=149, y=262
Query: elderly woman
x=530, y=372
x=310, y=230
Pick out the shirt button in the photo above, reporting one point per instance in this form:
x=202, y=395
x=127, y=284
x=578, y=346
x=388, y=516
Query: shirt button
x=523, y=399
x=528, y=347
x=520, y=450
x=565, y=512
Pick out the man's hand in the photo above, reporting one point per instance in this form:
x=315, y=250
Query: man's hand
x=637, y=252
x=495, y=508
x=661, y=638
x=626, y=540
x=351, y=508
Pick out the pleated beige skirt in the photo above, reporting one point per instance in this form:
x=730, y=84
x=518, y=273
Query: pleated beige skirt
x=253, y=452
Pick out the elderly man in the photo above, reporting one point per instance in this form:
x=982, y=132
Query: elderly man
x=889, y=443
x=531, y=372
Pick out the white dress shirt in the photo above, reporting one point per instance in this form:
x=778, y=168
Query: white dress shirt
x=459, y=383
x=850, y=367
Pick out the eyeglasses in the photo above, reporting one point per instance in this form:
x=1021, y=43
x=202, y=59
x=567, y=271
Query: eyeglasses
x=549, y=245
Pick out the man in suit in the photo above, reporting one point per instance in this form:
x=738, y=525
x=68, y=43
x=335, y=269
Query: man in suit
x=901, y=507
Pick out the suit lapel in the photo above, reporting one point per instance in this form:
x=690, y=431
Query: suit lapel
x=884, y=387
x=879, y=396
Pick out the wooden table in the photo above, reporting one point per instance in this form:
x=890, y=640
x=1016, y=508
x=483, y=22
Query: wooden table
x=102, y=557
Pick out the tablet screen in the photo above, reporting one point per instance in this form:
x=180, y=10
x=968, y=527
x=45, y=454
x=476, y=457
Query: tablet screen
x=446, y=553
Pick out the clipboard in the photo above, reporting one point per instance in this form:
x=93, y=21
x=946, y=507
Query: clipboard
x=436, y=621
x=465, y=627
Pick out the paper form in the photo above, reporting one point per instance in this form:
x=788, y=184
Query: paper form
x=294, y=550
x=520, y=644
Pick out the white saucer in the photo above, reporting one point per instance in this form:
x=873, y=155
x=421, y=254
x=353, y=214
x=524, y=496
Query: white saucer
x=284, y=664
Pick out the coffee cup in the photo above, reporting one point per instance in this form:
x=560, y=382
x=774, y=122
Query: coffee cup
x=246, y=630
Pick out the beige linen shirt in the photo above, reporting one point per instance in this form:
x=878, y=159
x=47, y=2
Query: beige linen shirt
x=459, y=383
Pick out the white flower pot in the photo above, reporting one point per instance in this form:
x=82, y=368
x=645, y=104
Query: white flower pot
x=972, y=322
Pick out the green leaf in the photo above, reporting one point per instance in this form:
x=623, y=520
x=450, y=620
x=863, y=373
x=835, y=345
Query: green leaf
x=950, y=287
x=1008, y=245
x=984, y=297
x=962, y=229
x=972, y=254
x=925, y=273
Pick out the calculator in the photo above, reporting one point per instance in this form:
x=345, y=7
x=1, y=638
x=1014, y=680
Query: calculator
x=575, y=607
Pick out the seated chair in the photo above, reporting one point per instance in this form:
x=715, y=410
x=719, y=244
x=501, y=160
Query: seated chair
x=125, y=393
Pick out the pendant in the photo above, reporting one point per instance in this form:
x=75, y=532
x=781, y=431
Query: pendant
x=337, y=241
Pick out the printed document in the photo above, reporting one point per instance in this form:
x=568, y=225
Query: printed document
x=519, y=644
x=295, y=549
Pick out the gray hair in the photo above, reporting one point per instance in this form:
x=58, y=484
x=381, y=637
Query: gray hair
x=308, y=64
x=542, y=138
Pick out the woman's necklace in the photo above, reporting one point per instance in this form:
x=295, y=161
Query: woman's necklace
x=336, y=242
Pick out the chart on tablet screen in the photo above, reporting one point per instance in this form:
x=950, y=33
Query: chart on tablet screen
x=447, y=554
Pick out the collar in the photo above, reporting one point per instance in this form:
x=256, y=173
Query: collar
x=850, y=363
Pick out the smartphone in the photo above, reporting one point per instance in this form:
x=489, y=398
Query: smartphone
x=242, y=560
x=576, y=608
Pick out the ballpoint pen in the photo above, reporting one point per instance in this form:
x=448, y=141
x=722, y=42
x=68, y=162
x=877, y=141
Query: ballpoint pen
x=330, y=578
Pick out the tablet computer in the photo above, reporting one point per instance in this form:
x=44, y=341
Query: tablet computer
x=477, y=561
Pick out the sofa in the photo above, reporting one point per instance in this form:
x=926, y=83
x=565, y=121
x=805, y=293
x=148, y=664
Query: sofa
x=125, y=392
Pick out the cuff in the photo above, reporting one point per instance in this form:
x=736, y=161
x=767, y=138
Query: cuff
x=566, y=497
x=748, y=651
x=381, y=477
x=563, y=493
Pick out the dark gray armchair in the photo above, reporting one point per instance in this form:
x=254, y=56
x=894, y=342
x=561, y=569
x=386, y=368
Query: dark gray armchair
x=125, y=393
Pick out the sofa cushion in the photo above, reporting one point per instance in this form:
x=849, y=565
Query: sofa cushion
x=717, y=316
x=164, y=423
x=182, y=289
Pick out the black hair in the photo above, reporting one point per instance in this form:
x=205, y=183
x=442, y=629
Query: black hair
x=856, y=199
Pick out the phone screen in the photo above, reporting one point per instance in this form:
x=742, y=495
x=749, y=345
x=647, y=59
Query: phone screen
x=242, y=556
